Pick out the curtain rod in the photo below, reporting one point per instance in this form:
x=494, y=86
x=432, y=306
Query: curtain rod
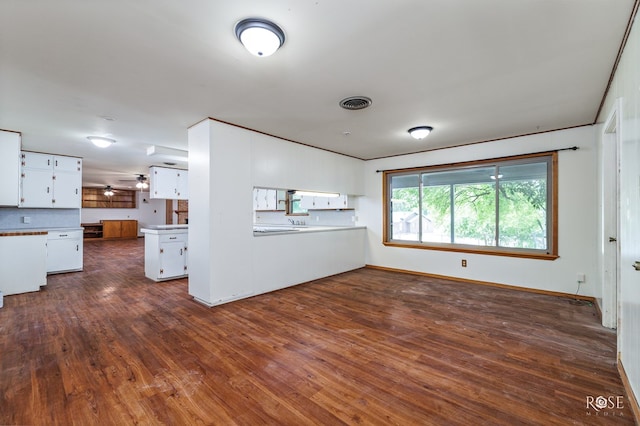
x=573, y=148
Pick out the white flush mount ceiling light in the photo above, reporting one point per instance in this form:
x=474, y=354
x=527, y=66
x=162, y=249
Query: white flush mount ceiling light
x=259, y=36
x=420, y=132
x=101, y=142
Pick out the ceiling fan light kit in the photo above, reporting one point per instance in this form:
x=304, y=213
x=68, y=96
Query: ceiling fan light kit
x=142, y=182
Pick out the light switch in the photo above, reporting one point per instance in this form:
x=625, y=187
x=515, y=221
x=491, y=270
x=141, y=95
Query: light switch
x=26, y=219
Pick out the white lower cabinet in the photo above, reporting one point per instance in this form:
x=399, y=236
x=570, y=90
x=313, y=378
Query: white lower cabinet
x=64, y=251
x=23, y=262
x=165, y=254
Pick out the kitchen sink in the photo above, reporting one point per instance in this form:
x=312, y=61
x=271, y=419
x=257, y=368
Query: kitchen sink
x=274, y=229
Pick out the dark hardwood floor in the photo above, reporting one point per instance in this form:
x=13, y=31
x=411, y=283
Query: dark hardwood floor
x=107, y=346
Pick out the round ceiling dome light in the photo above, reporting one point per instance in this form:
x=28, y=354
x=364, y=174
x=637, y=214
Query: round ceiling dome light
x=355, y=102
x=259, y=36
x=420, y=132
x=101, y=142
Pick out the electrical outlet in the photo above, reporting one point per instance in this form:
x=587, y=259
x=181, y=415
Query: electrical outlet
x=581, y=278
x=26, y=219
x=464, y=263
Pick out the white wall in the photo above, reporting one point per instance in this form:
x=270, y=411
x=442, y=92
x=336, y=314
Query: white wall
x=225, y=163
x=147, y=212
x=577, y=217
x=626, y=87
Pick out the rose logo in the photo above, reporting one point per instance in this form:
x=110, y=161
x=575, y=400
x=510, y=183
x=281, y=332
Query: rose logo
x=601, y=402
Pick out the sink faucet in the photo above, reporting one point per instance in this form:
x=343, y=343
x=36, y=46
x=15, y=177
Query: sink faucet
x=291, y=221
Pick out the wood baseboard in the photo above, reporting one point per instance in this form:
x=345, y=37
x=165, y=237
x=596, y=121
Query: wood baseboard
x=598, y=309
x=631, y=398
x=487, y=283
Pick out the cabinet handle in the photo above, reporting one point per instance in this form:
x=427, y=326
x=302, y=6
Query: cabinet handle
x=47, y=189
x=161, y=250
x=48, y=162
x=180, y=252
x=56, y=163
x=77, y=247
x=76, y=191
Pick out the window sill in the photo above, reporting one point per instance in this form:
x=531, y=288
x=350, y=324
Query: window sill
x=467, y=249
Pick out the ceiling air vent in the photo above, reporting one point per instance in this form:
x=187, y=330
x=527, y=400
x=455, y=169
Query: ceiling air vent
x=355, y=102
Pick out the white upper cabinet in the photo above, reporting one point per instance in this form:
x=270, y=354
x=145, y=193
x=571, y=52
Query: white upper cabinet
x=325, y=203
x=9, y=168
x=50, y=181
x=265, y=199
x=170, y=184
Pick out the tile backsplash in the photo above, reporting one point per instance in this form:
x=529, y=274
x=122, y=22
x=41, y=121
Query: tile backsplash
x=15, y=218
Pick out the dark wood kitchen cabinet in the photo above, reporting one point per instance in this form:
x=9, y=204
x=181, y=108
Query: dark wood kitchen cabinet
x=119, y=229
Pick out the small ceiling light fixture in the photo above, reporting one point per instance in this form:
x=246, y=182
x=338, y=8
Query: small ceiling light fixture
x=108, y=192
x=420, y=132
x=142, y=182
x=101, y=142
x=259, y=36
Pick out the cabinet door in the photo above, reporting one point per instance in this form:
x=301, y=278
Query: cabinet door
x=9, y=168
x=36, y=160
x=111, y=229
x=307, y=202
x=64, y=254
x=63, y=163
x=272, y=199
x=182, y=185
x=67, y=164
x=338, y=202
x=255, y=198
x=36, y=188
x=172, y=259
x=260, y=198
x=162, y=183
x=129, y=229
x=67, y=190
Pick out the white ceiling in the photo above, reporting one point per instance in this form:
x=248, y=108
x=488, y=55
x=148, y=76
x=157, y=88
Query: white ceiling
x=474, y=70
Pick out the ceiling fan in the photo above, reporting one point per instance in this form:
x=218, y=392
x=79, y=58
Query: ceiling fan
x=142, y=182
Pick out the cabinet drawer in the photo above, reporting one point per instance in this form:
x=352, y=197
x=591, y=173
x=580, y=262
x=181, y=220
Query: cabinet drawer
x=64, y=235
x=167, y=238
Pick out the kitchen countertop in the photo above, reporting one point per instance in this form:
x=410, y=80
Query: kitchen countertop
x=33, y=231
x=165, y=229
x=261, y=230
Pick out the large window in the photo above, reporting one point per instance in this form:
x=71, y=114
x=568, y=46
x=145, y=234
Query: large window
x=502, y=206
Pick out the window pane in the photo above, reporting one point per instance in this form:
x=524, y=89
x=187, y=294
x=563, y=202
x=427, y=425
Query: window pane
x=523, y=201
x=475, y=211
x=405, y=207
x=499, y=206
x=436, y=211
